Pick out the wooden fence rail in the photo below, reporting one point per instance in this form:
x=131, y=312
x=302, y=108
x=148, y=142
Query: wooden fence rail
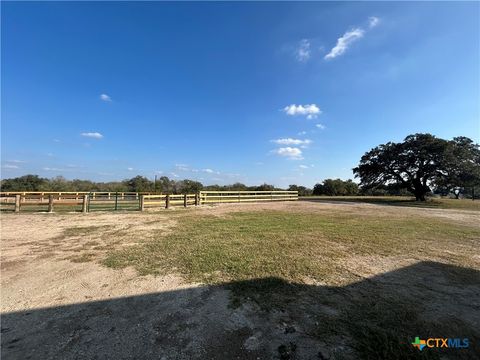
x=166, y=201
x=90, y=201
x=207, y=197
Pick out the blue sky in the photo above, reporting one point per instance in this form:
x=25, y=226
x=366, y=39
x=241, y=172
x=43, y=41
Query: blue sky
x=270, y=92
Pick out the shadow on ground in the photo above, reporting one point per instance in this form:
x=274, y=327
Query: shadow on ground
x=376, y=318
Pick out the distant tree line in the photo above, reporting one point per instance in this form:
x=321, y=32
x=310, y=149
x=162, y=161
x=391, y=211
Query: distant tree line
x=419, y=165
x=136, y=184
x=328, y=187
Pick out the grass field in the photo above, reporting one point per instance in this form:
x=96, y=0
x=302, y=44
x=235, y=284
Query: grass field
x=339, y=281
x=304, y=248
x=293, y=246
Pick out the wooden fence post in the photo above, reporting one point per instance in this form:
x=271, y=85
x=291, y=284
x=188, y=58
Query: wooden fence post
x=142, y=202
x=85, y=203
x=167, y=201
x=185, y=200
x=50, y=203
x=196, y=198
x=17, y=203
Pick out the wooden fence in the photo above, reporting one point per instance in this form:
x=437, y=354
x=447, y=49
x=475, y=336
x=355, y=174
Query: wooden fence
x=207, y=197
x=149, y=201
x=91, y=201
x=43, y=201
x=72, y=201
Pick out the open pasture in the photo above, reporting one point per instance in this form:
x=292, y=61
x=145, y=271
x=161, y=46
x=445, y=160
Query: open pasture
x=281, y=280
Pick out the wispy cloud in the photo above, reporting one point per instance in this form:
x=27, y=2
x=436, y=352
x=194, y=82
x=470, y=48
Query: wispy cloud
x=320, y=126
x=130, y=169
x=373, y=21
x=290, y=141
x=311, y=111
x=302, y=52
x=93, y=135
x=291, y=153
x=344, y=42
x=10, y=166
x=182, y=167
x=52, y=169
x=303, y=166
x=105, y=97
x=187, y=168
x=16, y=161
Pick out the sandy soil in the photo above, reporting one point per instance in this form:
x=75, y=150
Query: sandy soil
x=55, y=305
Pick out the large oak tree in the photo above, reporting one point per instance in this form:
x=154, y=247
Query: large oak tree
x=420, y=162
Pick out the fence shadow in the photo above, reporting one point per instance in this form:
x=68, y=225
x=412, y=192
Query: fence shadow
x=269, y=318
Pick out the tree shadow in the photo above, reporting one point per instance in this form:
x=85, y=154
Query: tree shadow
x=374, y=318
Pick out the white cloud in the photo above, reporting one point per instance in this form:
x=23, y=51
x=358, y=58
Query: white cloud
x=302, y=133
x=310, y=110
x=302, y=52
x=210, y=171
x=373, y=21
x=9, y=166
x=320, y=126
x=303, y=166
x=16, y=161
x=344, y=42
x=173, y=174
x=289, y=152
x=93, y=135
x=130, y=169
x=52, y=169
x=105, y=97
x=290, y=141
x=182, y=167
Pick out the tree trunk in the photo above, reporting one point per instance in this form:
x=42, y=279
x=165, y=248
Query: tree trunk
x=419, y=190
x=420, y=196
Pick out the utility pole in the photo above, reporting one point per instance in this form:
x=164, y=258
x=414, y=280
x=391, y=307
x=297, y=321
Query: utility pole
x=155, y=184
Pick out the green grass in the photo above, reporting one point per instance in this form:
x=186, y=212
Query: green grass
x=436, y=203
x=291, y=246
x=268, y=256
